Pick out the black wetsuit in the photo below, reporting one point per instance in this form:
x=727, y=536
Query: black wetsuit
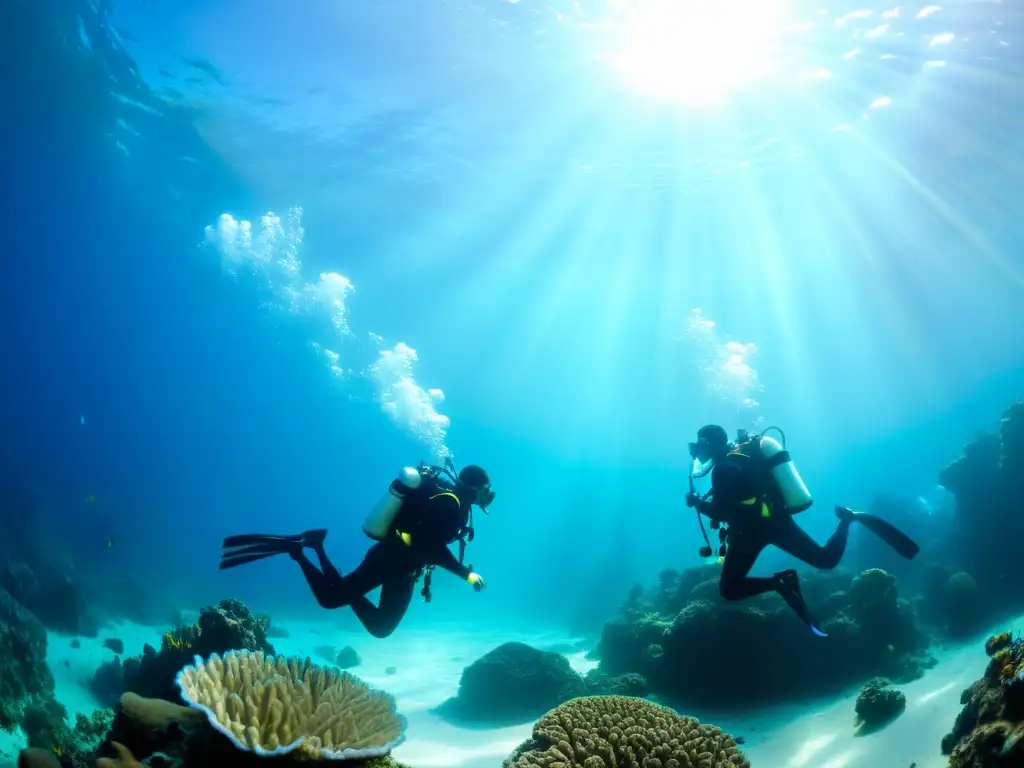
x=734, y=481
x=431, y=524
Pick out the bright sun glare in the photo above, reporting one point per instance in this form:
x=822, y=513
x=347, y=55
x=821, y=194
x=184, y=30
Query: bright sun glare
x=696, y=51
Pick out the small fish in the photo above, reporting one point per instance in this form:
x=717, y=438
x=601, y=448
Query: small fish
x=110, y=542
x=90, y=499
x=82, y=419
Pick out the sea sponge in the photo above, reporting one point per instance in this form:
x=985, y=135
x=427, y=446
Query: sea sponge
x=276, y=705
x=607, y=731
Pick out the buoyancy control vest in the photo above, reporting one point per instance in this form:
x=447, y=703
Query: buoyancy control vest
x=413, y=487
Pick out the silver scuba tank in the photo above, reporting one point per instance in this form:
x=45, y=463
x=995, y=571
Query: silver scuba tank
x=382, y=516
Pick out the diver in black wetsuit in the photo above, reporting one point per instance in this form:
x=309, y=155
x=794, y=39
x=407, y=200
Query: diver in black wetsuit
x=748, y=500
x=414, y=525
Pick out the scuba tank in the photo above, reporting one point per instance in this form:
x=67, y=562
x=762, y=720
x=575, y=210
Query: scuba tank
x=786, y=489
x=378, y=522
x=790, y=487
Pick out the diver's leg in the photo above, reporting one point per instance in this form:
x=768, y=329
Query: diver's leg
x=794, y=540
x=744, y=547
x=395, y=597
x=330, y=588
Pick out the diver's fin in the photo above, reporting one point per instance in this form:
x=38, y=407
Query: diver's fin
x=263, y=548
x=235, y=560
x=256, y=538
x=313, y=538
x=887, y=532
x=248, y=548
x=789, y=589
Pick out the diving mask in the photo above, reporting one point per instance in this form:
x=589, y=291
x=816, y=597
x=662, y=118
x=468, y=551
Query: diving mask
x=703, y=462
x=484, y=497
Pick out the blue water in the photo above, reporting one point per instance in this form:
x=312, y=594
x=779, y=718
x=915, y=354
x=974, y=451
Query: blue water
x=539, y=232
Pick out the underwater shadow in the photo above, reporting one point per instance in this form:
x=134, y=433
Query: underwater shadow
x=454, y=713
x=867, y=729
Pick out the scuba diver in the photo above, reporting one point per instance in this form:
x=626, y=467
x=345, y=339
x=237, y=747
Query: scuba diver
x=755, y=491
x=424, y=511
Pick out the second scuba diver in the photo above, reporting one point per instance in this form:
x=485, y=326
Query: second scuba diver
x=755, y=491
x=424, y=511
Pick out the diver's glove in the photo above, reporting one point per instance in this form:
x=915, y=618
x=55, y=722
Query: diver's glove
x=477, y=581
x=692, y=499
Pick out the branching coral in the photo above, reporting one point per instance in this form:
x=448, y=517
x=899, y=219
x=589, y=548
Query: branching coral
x=607, y=731
x=276, y=705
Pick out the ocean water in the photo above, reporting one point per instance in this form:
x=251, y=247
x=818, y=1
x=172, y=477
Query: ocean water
x=259, y=256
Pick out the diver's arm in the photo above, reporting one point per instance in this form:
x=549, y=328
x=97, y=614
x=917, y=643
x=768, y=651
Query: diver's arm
x=724, y=492
x=445, y=559
x=445, y=523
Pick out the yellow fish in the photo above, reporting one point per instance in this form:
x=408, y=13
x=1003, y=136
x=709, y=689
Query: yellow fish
x=90, y=499
x=110, y=542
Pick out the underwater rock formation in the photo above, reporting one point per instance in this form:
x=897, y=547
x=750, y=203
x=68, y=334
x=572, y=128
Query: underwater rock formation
x=952, y=601
x=621, y=732
x=24, y=676
x=989, y=731
x=514, y=683
x=227, y=626
x=987, y=481
x=347, y=658
x=629, y=684
x=694, y=647
x=878, y=704
x=52, y=593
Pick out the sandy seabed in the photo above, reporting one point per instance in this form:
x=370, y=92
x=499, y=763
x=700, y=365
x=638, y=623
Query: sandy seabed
x=422, y=669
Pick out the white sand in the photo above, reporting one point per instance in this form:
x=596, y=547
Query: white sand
x=428, y=666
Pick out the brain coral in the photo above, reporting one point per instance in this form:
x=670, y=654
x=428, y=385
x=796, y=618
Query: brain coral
x=276, y=705
x=621, y=732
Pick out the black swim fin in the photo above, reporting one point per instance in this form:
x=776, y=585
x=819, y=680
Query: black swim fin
x=887, y=532
x=789, y=589
x=250, y=547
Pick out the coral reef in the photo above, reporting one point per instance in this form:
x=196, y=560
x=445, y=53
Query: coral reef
x=989, y=731
x=694, y=647
x=607, y=731
x=161, y=733
x=227, y=626
x=24, y=675
x=878, y=704
x=45, y=724
x=276, y=705
x=513, y=683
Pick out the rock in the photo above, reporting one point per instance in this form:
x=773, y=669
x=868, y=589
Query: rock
x=115, y=644
x=513, y=683
x=23, y=671
x=878, y=704
x=347, y=658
